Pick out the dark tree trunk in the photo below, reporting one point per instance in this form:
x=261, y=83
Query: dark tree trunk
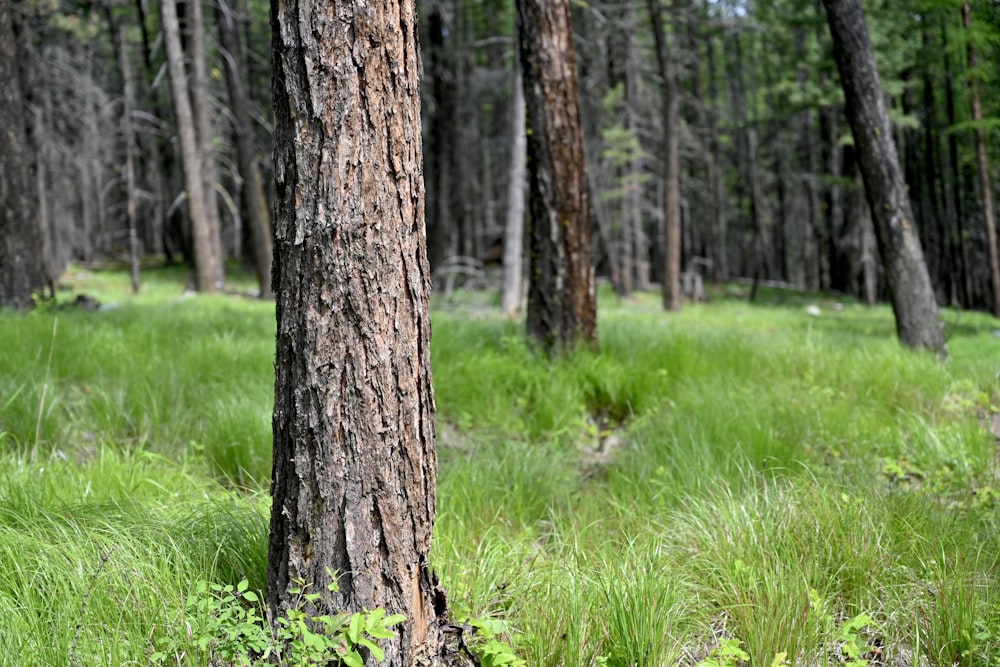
x=258, y=212
x=955, y=207
x=984, y=172
x=440, y=221
x=131, y=150
x=913, y=300
x=720, y=263
x=21, y=251
x=562, y=299
x=353, y=481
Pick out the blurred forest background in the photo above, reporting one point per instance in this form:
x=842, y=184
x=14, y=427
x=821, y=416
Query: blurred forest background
x=769, y=180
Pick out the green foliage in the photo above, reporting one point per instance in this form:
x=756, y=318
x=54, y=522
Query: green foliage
x=727, y=654
x=489, y=644
x=225, y=623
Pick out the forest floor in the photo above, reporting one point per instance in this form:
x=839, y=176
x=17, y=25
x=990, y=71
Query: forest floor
x=731, y=484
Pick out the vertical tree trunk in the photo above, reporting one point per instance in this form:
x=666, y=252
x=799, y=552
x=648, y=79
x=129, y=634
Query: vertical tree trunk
x=440, y=221
x=353, y=480
x=913, y=301
x=673, y=298
x=253, y=186
x=208, y=268
x=128, y=103
x=720, y=261
x=21, y=271
x=201, y=107
x=953, y=185
x=562, y=298
x=513, y=241
x=984, y=170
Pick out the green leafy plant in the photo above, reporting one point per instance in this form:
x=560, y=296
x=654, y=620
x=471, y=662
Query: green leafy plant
x=727, y=654
x=490, y=647
x=225, y=623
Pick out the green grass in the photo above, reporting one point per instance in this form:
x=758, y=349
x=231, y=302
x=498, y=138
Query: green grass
x=731, y=472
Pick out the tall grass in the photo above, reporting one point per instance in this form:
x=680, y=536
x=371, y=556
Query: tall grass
x=731, y=472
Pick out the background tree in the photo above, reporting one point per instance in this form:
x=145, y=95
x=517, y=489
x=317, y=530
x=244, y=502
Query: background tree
x=21, y=270
x=913, y=299
x=562, y=300
x=353, y=481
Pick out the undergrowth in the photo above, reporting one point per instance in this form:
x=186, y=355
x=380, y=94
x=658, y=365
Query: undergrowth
x=729, y=485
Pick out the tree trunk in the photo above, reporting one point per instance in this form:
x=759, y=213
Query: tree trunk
x=202, y=109
x=720, y=261
x=913, y=300
x=353, y=480
x=984, y=170
x=254, y=197
x=955, y=208
x=128, y=103
x=513, y=241
x=673, y=298
x=562, y=298
x=21, y=252
x=208, y=268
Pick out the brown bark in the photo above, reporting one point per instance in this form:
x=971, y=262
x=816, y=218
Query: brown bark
x=984, y=170
x=21, y=252
x=913, y=299
x=254, y=197
x=353, y=480
x=562, y=299
x=673, y=298
x=208, y=268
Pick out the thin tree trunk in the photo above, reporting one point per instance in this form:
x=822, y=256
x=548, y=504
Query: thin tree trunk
x=353, y=482
x=208, y=270
x=673, y=298
x=720, y=262
x=128, y=98
x=913, y=300
x=984, y=170
x=513, y=242
x=562, y=295
x=201, y=106
x=953, y=185
x=253, y=185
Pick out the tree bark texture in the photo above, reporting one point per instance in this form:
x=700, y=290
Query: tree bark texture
x=21, y=252
x=984, y=171
x=207, y=265
x=258, y=212
x=513, y=239
x=673, y=298
x=353, y=482
x=913, y=298
x=562, y=298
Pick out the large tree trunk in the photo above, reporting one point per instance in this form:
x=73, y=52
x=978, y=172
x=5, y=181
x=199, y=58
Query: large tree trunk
x=984, y=171
x=21, y=252
x=513, y=239
x=254, y=197
x=207, y=264
x=353, y=480
x=673, y=298
x=562, y=299
x=913, y=300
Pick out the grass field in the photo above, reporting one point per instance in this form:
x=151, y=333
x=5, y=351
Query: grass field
x=733, y=484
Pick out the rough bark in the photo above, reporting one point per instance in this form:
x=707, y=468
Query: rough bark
x=562, y=299
x=673, y=298
x=984, y=170
x=913, y=299
x=207, y=268
x=255, y=200
x=21, y=252
x=353, y=480
x=513, y=241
